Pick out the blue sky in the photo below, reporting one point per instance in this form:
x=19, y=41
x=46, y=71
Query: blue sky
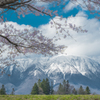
x=36, y=21
x=86, y=44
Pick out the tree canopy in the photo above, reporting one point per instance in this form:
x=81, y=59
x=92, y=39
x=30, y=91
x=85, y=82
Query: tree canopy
x=35, y=89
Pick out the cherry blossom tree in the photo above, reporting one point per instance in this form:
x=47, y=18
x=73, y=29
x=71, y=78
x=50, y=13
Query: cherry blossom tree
x=14, y=41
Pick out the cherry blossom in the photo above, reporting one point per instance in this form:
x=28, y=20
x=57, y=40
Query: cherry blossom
x=14, y=41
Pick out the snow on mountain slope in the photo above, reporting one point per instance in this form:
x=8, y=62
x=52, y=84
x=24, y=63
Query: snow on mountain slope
x=75, y=65
x=78, y=70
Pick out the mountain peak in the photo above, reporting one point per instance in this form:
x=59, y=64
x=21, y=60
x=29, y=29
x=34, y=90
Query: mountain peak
x=78, y=70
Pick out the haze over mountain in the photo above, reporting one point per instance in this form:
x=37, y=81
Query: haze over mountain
x=78, y=70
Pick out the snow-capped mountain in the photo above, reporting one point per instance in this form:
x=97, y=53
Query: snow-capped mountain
x=78, y=70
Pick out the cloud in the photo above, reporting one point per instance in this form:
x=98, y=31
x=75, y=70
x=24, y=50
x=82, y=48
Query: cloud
x=86, y=43
x=73, y=4
x=42, y=4
x=70, y=6
x=17, y=26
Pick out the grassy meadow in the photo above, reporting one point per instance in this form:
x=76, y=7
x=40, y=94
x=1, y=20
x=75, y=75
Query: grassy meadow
x=49, y=97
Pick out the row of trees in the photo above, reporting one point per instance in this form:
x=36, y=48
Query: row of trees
x=82, y=91
x=3, y=91
x=44, y=87
x=66, y=88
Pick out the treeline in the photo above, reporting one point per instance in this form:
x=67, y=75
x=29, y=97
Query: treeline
x=45, y=87
x=66, y=88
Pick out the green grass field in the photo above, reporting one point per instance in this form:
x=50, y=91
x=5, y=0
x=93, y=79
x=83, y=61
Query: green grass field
x=49, y=97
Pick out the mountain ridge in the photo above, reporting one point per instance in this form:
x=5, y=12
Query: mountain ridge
x=78, y=70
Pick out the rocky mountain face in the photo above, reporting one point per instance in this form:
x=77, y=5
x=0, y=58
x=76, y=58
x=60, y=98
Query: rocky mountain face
x=78, y=70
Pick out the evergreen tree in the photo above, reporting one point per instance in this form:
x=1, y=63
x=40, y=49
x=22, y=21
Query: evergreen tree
x=45, y=86
x=87, y=90
x=81, y=90
x=67, y=87
x=3, y=91
x=12, y=93
x=39, y=82
x=60, y=89
x=39, y=85
x=42, y=85
x=35, y=89
x=51, y=88
x=64, y=86
x=74, y=91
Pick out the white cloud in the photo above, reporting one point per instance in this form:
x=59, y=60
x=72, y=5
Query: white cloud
x=17, y=26
x=73, y=4
x=86, y=43
x=42, y=4
x=70, y=6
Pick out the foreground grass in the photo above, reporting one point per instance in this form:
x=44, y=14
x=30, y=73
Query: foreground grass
x=49, y=97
